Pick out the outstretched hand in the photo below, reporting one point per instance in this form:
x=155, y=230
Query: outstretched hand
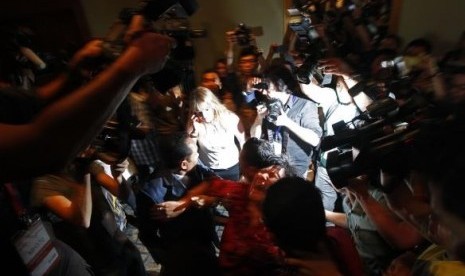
x=167, y=210
x=335, y=66
x=147, y=53
x=93, y=49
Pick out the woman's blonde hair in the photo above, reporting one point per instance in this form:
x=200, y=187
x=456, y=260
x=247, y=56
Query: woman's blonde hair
x=201, y=96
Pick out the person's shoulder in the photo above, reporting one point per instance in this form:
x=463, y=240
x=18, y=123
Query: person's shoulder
x=231, y=116
x=96, y=166
x=303, y=103
x=154, y=188
x=204, y=171
x=157, y=178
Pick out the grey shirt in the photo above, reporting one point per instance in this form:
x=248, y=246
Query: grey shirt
x=305, y=113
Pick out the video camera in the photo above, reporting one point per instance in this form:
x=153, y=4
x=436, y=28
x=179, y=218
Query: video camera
x=305, y=18
x=310, y=47
x=162, y=16
x=383, y=138
x=243, y=35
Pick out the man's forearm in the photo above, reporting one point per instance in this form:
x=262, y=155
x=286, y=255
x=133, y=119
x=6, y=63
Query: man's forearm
x=307, y=135
x=398, y=233
x=64, y=127
x=339, y=219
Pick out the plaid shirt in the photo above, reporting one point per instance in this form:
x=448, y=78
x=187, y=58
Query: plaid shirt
x=143, y=151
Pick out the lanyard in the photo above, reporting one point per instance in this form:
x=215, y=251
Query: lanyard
x=15, y=199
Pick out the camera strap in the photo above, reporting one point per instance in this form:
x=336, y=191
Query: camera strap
x=285, y=133
x=328, y=114
x=278, y=141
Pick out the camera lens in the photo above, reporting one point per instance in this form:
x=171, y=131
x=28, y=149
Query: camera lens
x=274, y=107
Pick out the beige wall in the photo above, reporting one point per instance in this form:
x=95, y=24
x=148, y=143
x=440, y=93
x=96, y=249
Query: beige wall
x=101, y=14
x=216, y=16
x=441, y=22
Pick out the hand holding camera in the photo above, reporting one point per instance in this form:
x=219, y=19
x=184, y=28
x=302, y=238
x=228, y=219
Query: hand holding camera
x=281, y=117
x=231, y=37
x=358, y=186
x=91, y=50
x=143, y=51
x=335, y=66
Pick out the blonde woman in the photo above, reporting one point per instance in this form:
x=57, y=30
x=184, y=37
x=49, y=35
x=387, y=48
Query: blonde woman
x=218, y=131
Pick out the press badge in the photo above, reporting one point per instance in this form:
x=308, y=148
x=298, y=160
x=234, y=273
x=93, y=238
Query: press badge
x=277, y=147
x=36, y=249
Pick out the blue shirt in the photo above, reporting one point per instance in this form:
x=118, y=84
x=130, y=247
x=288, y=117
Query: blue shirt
x=192, y=224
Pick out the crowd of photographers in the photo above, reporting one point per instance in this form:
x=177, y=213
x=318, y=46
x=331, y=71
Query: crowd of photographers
x=339, y=153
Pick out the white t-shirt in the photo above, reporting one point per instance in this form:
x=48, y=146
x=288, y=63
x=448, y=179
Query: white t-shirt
x=217, y=149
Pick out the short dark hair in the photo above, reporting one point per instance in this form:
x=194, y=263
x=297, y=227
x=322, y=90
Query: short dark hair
x=248, y=51
x=421, y=42
x=394, y=37
x=387, y=53
x=293, y=211
x=174, y=148
x=260, y=154
x=221, y=60
x=168, y=77
x=278, y=74
x=209, y=70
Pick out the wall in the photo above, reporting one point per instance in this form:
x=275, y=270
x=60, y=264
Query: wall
x=441, y=22
x=102, y=13
x=216, y=16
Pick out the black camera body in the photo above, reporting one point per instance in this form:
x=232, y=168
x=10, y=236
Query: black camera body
x=311, y=47
x=156, y=12
x=112, y=141
x=386, y=140
x=243, y=35
x=274, y=107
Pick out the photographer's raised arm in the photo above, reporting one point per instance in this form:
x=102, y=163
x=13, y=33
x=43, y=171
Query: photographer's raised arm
x=339, y=67
x=318, y=94
x=306, y=133
x=260, y=58
x=348, y=78
x=67, y=125
x=69, y=80
x=229, y=52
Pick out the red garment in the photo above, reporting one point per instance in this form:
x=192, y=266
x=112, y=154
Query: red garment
x=344, y=251
x=246, y=245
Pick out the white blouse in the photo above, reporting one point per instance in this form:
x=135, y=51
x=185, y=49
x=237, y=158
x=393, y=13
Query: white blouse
x=217, y=149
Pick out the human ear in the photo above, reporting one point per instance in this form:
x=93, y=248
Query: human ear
x=184, y=164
